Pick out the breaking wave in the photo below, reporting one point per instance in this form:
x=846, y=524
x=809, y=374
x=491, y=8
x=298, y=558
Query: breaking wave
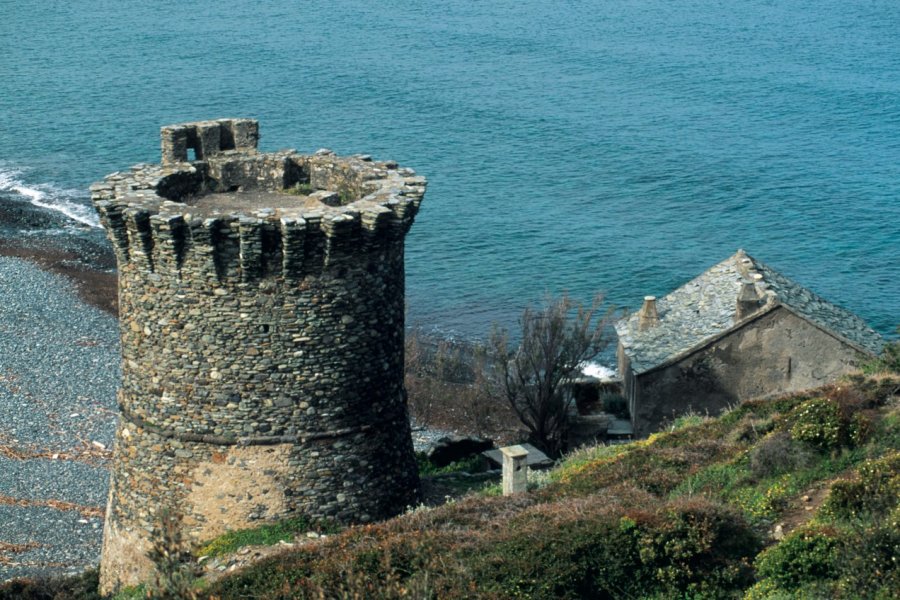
x=48, y=197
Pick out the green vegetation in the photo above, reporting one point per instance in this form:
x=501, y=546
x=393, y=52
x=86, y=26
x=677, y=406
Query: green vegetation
x=264, y=535
x=615, y=404
x=686, y=514
x=300, y=189
x=473, y=464
x=795, y=497
x=888, y=362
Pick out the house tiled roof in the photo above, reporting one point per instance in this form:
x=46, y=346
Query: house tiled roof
x=705, y=308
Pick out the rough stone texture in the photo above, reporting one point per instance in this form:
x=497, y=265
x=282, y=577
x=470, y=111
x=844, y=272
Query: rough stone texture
x=262, y=338
x=715, y=345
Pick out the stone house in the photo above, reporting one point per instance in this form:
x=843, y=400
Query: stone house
x=738, y=331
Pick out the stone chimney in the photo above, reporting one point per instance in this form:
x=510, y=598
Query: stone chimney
x=648, y=315
x=747, y=300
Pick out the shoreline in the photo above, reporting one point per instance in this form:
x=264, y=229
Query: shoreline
x=53, y=243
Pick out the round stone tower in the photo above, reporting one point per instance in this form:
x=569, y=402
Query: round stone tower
x=261, y=300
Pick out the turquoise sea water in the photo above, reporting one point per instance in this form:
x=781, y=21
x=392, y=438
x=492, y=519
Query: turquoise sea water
x=620, y=146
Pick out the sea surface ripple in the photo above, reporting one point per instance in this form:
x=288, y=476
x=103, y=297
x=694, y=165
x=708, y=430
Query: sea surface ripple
x=582, y=146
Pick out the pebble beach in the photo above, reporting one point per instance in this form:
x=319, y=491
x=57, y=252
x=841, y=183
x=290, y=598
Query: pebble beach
x=59, y=362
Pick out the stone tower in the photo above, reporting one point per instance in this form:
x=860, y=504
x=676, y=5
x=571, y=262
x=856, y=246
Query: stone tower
x=262, y=318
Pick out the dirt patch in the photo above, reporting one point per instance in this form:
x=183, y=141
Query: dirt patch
x=803, y=508
x=91, y=453
x=7, y=550
x=95, y=287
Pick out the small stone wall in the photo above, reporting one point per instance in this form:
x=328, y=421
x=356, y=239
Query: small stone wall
x=262, y=339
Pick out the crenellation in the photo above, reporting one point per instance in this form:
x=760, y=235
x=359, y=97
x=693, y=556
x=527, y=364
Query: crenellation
x=140, y=236
x=114, y=222
x=293, y=244
x=171, y=234
x=225, y=236
x=262, y=315
x=251, y=248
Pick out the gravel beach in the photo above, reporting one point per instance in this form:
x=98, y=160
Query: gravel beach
x=59, y=361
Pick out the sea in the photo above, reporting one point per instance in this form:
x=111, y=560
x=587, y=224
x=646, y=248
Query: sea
x=607, y=146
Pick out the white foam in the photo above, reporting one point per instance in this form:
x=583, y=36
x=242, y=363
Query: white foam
x=601, y=372
x=48, y=197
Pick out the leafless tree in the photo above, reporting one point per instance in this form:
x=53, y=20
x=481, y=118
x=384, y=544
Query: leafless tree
x=445, y=384
x=556, y=340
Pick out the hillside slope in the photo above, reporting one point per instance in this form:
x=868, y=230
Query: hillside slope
x=786, y=498
x=795, y=497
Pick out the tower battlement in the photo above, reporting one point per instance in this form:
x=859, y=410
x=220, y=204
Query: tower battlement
x=244, y=215
x=261, y=302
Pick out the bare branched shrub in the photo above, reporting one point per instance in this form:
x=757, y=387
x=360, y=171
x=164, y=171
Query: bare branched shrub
x=778, y=453
x=556, y=340
x=446, y=380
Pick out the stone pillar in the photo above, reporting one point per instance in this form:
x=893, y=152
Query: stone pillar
x=515, y=470
x=262, y=340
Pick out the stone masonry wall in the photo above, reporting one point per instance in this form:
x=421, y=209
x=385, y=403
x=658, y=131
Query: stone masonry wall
x=776, y=353
x=262, y=339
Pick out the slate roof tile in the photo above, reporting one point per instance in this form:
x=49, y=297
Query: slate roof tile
x=704, y=308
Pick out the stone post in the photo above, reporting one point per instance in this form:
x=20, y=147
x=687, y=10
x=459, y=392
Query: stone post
x=515, y=470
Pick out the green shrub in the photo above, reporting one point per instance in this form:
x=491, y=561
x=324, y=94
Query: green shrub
x=300, y=189
x=870, y=563
x=874, y=493
x=887, y=362
x=681, y=549
x=698, y=548
x=818, y=423
x=860, y=429
x=805, y=556
x=264, y=535
x=691, y=419
x=473, y=464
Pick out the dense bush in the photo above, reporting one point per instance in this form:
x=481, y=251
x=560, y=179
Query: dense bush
x=804, y=556
x=76, y=587
x=591, y=547
x=848, y=563
x=874, y=493
x=869, y=563
x=818, y=422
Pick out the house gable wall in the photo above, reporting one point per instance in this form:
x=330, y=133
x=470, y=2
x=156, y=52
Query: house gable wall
x=778, y=352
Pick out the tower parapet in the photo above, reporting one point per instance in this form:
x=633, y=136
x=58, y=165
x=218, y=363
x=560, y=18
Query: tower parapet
x=262, y=316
